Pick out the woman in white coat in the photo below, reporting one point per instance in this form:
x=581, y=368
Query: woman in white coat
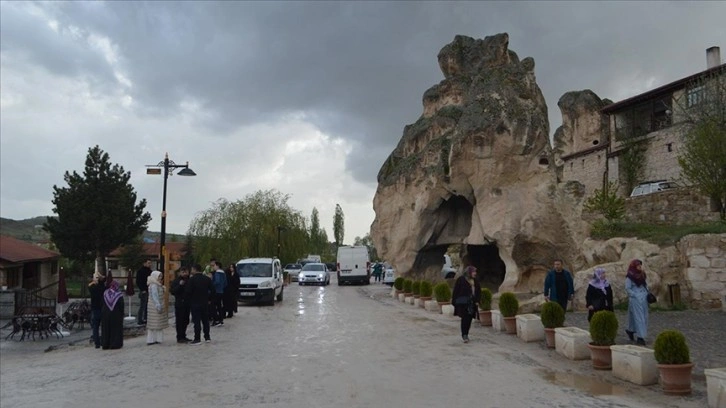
x=157, y=319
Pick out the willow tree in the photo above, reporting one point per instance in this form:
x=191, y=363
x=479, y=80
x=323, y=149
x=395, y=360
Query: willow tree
x=97, y=211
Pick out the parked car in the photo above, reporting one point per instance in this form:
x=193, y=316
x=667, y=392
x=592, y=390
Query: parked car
x=260, y=280
x=314, y=273
x=389, y=274
x=447, y=271
x=292, y=270
x=648, y=187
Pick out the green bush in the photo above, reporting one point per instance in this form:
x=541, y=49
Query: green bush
x=553, y=315
x=485, y=302
x=508, y=304
x=426, y=289
x=603, y=328
x=442, y=292
x=407, y=283
x=670, y=348
x=416, y=287
x=398, y=283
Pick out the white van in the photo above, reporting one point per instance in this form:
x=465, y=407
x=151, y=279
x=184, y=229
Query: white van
x=448, y=271
x=260, y=280
x=353, y=265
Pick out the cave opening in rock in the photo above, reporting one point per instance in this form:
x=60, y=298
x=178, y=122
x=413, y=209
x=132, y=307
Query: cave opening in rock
x=453, y=222
x=490, y=267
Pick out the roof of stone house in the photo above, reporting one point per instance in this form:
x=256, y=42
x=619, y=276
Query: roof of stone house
x=152, y=249
x=15, y=251
x=675, y=85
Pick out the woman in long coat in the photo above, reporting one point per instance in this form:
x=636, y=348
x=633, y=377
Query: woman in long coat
x=465, y=298
x=599, y=294
x=157, y=319
x=637, y=290
x=231, y=291
x=112, y=318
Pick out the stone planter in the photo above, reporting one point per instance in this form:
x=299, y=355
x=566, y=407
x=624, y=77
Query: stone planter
x=447, y=309
x=676, y=378
x=601, y=357
x=716, y=386
x=529, y=327
x=422, y=301
x=497, y=321
x=408, y=299
x=549, y=337
x=510, y=324
x=634, y=363
x=432, y=306
x=485, y=317
x=572, y=342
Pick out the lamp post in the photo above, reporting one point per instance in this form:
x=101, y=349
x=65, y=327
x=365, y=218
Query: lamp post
x=280, y=228
x=168, y=167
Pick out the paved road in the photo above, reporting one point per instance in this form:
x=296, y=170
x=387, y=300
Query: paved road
x=321, y=347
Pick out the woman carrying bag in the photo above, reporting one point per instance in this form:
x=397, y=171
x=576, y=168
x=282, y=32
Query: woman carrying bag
x=466, y=295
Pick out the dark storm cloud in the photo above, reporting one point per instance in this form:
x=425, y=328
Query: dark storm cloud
x=358, y=70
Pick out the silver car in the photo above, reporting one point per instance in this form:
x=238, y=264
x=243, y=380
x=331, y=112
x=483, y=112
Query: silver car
x=293, y=271
x=314, y=273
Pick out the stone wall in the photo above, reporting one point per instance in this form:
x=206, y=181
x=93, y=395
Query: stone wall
x=705, y=259
x=674, y=207
x=587, y=169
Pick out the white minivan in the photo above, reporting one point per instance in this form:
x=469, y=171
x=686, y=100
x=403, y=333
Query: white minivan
x=260, y=280
x=353, y=265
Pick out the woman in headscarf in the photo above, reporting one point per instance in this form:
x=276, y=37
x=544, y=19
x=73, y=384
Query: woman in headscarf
x=157, y=319
x=637, y=290
x=112, y=317
x=599, y=294
x=466, y=295
x=231, y=291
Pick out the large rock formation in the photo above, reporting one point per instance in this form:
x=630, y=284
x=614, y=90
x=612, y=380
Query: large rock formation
x=583, y=125
x=477, y=169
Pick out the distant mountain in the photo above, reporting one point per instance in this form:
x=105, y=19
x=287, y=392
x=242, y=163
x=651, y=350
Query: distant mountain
x=31, y=230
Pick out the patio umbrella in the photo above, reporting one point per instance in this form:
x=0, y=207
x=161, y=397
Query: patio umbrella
x=130, y=291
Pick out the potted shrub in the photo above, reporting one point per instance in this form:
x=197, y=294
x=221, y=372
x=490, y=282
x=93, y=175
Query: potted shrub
x=485, y=307
x=398, y=284
x=407, y=283
x=552, y=316
x=674, y=362
x=425, y=292
x=603, y=329
x=442, y=292
x=416, y=289
x=509, y=305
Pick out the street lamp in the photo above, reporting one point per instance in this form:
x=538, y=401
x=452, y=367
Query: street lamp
x=280, y=228
x=169, y=167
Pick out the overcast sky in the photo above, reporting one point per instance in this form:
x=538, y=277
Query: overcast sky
x=307, y=98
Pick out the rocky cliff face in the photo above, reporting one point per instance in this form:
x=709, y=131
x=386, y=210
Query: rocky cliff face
x=583, y=126
x=477, y=169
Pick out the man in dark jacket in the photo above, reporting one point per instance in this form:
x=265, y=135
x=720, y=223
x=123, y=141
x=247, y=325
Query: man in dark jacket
x=181, y=305
x=219, y=281
x=142, y=275
x=558, y=285
x=198, y=291
x=96, y=288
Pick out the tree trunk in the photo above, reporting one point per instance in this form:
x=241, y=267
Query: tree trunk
x=100, y=263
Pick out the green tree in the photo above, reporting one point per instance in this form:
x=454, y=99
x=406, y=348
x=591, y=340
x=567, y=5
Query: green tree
x=188, y=251
x=367, y=241
x=607, y=203
x=338, y=225
x=132, y=254
x=703, y=156
x=97, y=212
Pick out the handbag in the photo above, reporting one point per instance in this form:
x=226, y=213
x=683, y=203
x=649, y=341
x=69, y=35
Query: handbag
x=462, y=300
x=651, y=298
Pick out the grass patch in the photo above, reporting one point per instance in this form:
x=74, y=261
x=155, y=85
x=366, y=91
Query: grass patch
x=662, y=235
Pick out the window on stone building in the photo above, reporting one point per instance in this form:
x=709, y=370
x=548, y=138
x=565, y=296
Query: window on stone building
x=670, y=147
x=695, y=95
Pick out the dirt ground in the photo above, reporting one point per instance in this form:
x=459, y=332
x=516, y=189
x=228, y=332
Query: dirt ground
x=320, y=347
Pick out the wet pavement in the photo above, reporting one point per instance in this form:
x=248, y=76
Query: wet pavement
x=350, y=346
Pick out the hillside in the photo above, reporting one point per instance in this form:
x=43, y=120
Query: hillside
x=31, y=230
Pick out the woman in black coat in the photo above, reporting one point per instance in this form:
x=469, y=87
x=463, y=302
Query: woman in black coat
x=465, y=298
x=599, y=294
x=231, y=292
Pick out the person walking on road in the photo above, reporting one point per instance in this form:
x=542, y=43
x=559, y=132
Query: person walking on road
x=181, y=305
x=231, y=292
x=466, y=296
x=558, y=285
x=96, y=288
x=599, y=294
x=112, y=317
x=637, y=289
x=198, y=291
x=142, y=275
x=157, y=317
x=219, y=280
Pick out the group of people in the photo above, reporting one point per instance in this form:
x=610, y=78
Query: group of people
x=559, y=287
x=107, y=312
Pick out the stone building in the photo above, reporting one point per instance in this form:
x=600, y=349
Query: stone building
x=591, y=145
